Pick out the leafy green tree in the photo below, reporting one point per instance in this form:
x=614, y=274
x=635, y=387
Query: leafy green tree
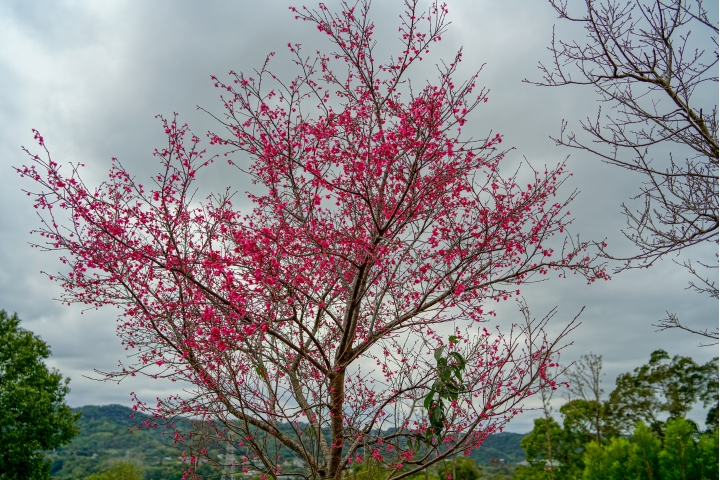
x=664, y=386
x=545, y=451
x=646, y=448
x=684, y=455
x=622, y=458
x=119, y=471
x=609, y=462
x=590, y=443
x=709, y=394
x=535, y=443
x=584, y=421
x=33, y=415
x=467, y=469
x=707, y=455
x=687, y=454
x=711, y=421
x=678, y=456
x=556, y=452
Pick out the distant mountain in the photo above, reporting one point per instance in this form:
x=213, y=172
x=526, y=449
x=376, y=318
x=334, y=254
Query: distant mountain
x=107, y=435
x=500, y=448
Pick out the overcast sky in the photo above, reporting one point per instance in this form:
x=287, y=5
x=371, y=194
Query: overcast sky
x=92, y=75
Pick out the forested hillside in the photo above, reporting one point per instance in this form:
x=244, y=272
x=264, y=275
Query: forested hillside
x=503, y=448
x=108, y=434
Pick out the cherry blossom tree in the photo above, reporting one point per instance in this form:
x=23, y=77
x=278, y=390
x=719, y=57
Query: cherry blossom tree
x=341, y=319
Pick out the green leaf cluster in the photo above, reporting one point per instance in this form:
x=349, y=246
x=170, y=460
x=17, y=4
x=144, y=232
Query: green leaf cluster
x=33, y=413
x=447, y=387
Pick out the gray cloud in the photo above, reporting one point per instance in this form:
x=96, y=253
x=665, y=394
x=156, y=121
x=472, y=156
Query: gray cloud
x=92, y=75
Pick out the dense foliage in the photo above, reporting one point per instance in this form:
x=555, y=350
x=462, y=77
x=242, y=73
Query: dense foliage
x=33, y=413
x=681, y=454
x=641, y=431
x=664, y=387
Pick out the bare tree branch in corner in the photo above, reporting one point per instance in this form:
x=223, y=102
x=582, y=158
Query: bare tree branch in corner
x=648, y=62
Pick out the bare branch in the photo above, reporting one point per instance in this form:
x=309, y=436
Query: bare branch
x=653, y=64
